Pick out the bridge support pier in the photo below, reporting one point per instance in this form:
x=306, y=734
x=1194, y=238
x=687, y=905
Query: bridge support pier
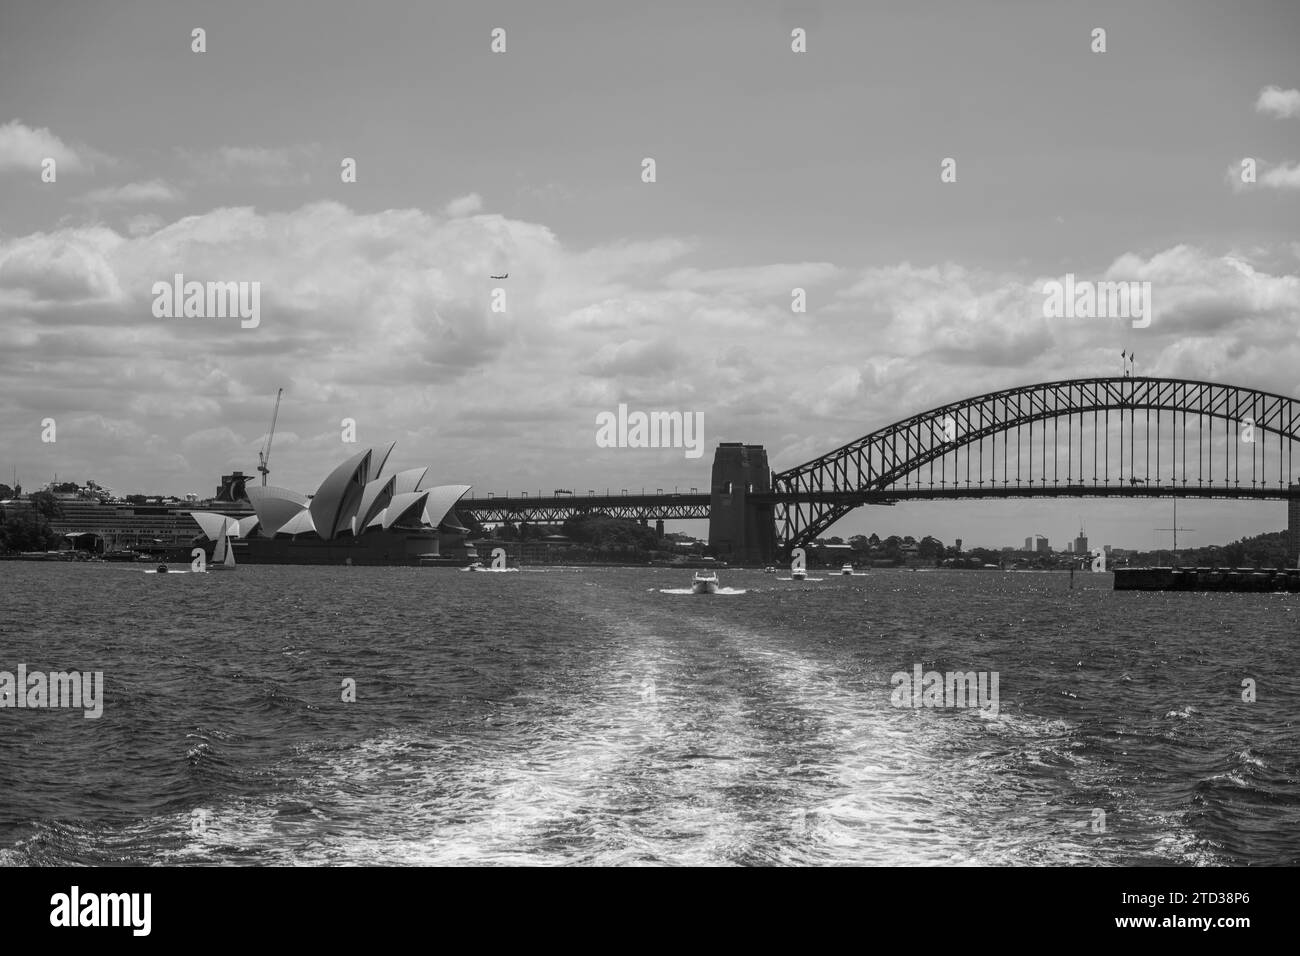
x=741, y=531
x=1293, y=526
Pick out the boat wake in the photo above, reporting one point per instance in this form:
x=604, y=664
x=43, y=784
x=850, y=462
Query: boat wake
x=692, y=591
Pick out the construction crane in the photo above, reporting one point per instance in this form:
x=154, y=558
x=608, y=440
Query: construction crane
x=264, y=456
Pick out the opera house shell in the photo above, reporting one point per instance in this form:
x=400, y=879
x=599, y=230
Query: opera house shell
x=357, y=516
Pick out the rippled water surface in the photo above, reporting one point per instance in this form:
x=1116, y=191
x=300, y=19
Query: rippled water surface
x=605, y=716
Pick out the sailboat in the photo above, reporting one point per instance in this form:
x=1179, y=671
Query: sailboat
x=223, y=555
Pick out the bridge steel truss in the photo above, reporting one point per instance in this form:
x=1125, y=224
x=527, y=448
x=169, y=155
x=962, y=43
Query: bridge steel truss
x=1123, y=436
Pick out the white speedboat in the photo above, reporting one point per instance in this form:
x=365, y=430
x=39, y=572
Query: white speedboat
x=847, y=570
x=705, y=582
x=798, y=574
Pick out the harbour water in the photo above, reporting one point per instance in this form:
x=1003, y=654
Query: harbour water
x=601, y=716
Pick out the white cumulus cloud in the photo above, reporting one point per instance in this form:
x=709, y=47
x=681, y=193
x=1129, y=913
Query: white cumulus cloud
x=25, y=147
x=1283, y=104
x=464, y=206
x=155, y=190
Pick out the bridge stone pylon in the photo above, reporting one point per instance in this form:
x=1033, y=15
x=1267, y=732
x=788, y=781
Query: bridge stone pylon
x=741, y=530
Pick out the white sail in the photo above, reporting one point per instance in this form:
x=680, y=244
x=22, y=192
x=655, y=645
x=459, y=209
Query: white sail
x=223, y=555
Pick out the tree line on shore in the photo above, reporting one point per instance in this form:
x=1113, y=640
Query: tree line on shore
x=29, y=529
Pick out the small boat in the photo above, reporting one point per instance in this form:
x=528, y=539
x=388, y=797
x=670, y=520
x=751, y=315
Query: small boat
x=223, y=555
x=162, y=569
x=798, y=574
x=123, y=555
x=847, y=570
x=704, y=583
x=769, y=570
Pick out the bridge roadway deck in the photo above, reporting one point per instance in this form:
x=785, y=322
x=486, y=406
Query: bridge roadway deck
x=696, y=506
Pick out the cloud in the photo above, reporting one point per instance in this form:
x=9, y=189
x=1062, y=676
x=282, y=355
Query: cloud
x=1282, y=176
x=1195, y=293
x=754, y=280
x=155, y=190
x=548, y=193
x=635, y=359
x=65, y=267
x=943, y=332
x=464, y=206
x=386, y=317
x=255, y=165
x=144, y=224
x=23, y=147
x=1283, y=104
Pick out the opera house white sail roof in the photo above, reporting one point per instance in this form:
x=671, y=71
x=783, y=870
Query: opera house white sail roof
x=352, y=499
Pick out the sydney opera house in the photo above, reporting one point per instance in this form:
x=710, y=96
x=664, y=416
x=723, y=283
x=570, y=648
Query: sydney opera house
x=357, y=516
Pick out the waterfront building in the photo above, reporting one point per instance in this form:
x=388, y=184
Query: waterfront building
x=96, y=525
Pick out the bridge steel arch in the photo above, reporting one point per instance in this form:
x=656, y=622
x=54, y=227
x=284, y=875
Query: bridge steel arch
x=1093, y=422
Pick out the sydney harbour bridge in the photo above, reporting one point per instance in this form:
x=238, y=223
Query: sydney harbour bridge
x=1127, y=436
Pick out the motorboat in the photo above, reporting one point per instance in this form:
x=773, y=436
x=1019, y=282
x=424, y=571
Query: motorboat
x=704, y=582
x=769, y=570
x=798, y=574
x=847, y=570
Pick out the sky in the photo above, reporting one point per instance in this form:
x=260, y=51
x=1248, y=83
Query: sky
x=774, y=170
